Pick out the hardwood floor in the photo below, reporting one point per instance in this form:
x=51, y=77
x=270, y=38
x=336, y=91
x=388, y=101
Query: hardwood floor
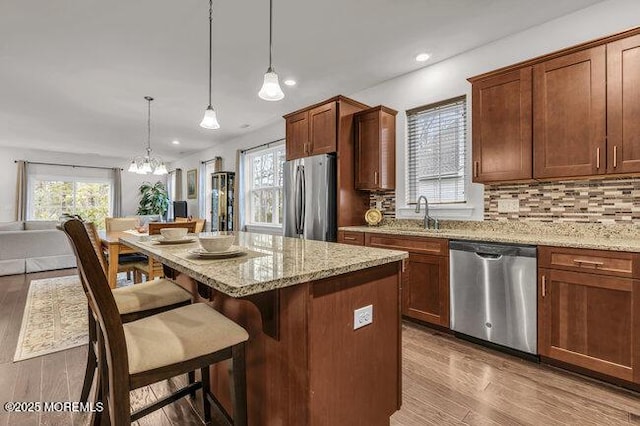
x=445, y=381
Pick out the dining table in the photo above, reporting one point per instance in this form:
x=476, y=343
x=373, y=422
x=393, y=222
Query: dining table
x=323, y=319
x=112, y=244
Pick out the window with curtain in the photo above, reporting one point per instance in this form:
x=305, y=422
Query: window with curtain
x=436, y=146
x=262, y=186
x=54, y=191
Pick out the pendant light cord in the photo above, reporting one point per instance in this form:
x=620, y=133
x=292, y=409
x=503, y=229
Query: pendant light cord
x=210, y=45
x=270, y=33
x=149, y=99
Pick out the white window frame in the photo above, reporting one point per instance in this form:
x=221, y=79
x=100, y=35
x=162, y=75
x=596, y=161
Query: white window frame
x=447, y=210
x=249, y=189
x=62, y=178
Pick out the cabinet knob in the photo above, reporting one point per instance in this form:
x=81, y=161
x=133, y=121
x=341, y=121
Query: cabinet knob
x=544, y=286
x=597, y=158
x=615, y=156
x=476, y=164
x=375, y=177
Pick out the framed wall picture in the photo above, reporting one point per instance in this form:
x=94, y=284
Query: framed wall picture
x=192, y=184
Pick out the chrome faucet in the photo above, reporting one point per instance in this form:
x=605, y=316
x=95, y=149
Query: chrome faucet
x=427, y=219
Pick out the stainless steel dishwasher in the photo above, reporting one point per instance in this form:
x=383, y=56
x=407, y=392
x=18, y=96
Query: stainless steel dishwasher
x=493, y=293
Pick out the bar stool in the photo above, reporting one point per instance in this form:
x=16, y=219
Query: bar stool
x=156, y=348
x=133, y=302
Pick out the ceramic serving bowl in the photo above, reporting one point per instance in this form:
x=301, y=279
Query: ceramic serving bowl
x=216, y=242
x=173, y=233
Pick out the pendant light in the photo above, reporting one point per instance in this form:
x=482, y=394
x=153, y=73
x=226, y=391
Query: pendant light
x=210, y=120
x=147, y=164
x=271, y=90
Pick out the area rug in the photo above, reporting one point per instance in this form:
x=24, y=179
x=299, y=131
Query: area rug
x=54, y=318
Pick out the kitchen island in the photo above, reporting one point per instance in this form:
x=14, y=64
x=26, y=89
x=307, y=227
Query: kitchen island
x=306, y=362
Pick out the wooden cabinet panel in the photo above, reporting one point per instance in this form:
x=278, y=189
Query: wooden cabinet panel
x=569, y=115
x=623, y=105
x=588, y=321
x=367, y=154
x=425, y=289
x=351, y=237
x=425, y=293
x=376, y=149
x=297, y=135
x=600, y=262
x=502, y=127
x=422, y=245
x=323, y=129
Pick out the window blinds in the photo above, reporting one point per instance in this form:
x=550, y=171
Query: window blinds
x=436, y=151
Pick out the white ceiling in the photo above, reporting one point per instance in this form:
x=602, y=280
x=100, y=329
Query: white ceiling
x=73, y=73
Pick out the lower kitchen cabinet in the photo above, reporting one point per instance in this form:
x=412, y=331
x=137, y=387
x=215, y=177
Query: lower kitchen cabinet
x=425, y=294
x=425, y=282
x=590, y=321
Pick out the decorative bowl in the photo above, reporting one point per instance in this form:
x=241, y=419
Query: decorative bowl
x=216, y=242
x=173, y=233
x=373, y=217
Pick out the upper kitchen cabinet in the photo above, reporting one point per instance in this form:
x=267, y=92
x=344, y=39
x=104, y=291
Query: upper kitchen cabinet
x=329, y=127
x=297, y=135
x=623, y=105
x=501, y=110
x=312, y=131
x=376, y=149
x=569, y=115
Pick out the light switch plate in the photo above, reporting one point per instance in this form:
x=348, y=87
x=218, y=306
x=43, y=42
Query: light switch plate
x=379, y=205
x=362, y=316
x=508, y=206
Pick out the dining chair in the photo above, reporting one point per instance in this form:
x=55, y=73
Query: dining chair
x=129, y=262
x=154, y=269
x=119, y=224
x=200, y=223
x=155, y=227
x=134, y=302
x=156, y=348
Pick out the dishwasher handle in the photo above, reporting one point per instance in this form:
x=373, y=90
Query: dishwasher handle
x=491, y=256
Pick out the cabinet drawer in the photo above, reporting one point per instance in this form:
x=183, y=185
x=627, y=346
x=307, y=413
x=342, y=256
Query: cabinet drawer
x=424, y=245
x=613, y=263
x=351, y=237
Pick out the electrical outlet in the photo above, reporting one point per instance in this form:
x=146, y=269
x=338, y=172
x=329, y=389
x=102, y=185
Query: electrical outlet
x=362, y=316
x=508, y=206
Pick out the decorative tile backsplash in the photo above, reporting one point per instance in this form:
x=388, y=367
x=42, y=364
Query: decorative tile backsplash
x=590, y=201
x=388, y=200
x=603, y=201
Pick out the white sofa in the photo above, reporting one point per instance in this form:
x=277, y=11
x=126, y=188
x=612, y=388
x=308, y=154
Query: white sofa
x=33, y=246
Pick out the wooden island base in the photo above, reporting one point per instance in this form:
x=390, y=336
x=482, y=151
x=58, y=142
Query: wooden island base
x=318, y=370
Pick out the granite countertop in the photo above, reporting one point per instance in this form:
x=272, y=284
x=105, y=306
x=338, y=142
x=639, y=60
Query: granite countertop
x=271, y=261
x=578, y=235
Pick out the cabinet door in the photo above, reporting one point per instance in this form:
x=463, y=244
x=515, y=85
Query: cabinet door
x=297, y=135
x=588, y=321
x=323, y=129
x=502, y=121
x=623, y=105
x=368, y=151
x=569, y=115
x=425, y=293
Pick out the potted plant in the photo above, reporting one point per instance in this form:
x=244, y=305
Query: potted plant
x=153, y=199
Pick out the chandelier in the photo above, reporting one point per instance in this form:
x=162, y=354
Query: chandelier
x=147, y=164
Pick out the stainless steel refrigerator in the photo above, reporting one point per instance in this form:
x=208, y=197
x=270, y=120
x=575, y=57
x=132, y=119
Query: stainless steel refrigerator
x=310, y=198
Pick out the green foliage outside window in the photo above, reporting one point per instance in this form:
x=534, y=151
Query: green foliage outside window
x=52, y=199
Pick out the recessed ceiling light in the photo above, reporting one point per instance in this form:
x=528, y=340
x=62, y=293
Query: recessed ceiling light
x=422, y=57
x=290, y=82
x=175, y=142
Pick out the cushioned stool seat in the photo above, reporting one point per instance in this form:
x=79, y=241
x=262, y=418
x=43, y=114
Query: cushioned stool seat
x=149, y=295
x=179, y=335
